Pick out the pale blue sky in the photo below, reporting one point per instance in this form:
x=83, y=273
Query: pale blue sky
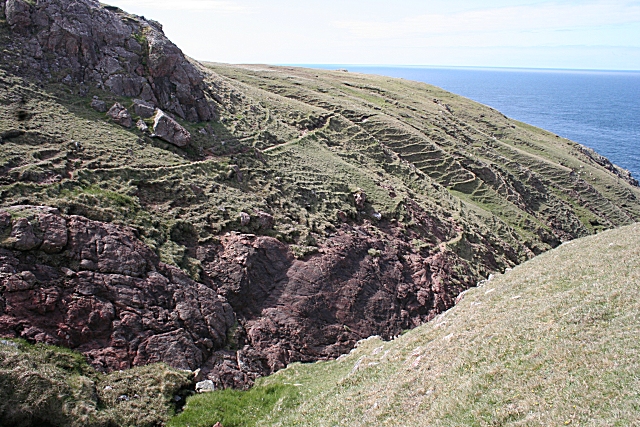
x=498, y=33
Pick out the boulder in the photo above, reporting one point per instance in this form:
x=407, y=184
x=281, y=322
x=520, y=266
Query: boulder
x=143, y=109
x=360, y=198
x=169, y=130
x=142, y=126
x=245, y=219
x=120, y=115
x=99, y=105
x=18, y=15
x=23, y=236
x=265, y=220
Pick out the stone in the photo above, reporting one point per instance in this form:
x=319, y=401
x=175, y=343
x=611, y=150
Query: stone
x=245, y=219
x=143, y=109
x=274, y=295
x=120, y=115
x=130, y=310
x=359, y=198
x=142, y=126
x=265, y=220
x=96, y=44
x=169, y=130
x=5, y=220
x=108, y=249
x=99, y=105
x=18, y=15
x=55, y=233
x=205, y=386
x=23, y=236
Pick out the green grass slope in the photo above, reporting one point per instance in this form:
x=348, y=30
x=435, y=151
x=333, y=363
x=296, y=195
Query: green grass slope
x=552, y=342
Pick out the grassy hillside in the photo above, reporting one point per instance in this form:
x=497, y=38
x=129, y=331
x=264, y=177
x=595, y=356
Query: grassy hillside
x=298, y=144
x=551, y=342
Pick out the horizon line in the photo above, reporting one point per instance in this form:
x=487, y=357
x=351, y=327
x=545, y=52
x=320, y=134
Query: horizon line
x=453, y=66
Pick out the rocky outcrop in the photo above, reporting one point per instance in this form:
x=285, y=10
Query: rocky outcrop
x=290, y=310
x=96, y=288
x=83, y=42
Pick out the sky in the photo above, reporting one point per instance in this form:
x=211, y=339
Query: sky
x=595, y=34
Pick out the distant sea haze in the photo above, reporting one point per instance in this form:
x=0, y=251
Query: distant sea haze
x=599, y=109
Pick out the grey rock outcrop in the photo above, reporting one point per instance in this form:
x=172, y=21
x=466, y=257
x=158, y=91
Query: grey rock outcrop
x=169, y=130
x=99, y=105
x=89, y=43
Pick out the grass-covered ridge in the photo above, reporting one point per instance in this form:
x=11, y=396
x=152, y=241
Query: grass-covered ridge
x=551, y=342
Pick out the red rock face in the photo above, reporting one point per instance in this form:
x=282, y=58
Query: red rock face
x=293, y=310
x=97, y=288
x=105, y=294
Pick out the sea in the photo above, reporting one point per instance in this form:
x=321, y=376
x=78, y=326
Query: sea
x=599, y=109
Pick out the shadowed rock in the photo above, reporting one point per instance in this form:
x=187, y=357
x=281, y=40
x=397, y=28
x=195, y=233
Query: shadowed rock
x=98, y=105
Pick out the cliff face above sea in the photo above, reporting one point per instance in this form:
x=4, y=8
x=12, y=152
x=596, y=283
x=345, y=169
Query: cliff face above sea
x=254, y=216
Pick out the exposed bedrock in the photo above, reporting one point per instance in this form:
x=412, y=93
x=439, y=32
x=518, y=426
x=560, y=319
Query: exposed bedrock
x=95, y=287
x=84, y=42
x=294, y=310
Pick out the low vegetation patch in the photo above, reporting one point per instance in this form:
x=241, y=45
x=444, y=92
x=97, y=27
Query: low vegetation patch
x=42, y=385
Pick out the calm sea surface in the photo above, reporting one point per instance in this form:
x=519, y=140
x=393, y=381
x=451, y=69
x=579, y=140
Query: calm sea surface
x=599, y=109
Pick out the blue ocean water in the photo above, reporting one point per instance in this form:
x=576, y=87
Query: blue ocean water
x=599, y=109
